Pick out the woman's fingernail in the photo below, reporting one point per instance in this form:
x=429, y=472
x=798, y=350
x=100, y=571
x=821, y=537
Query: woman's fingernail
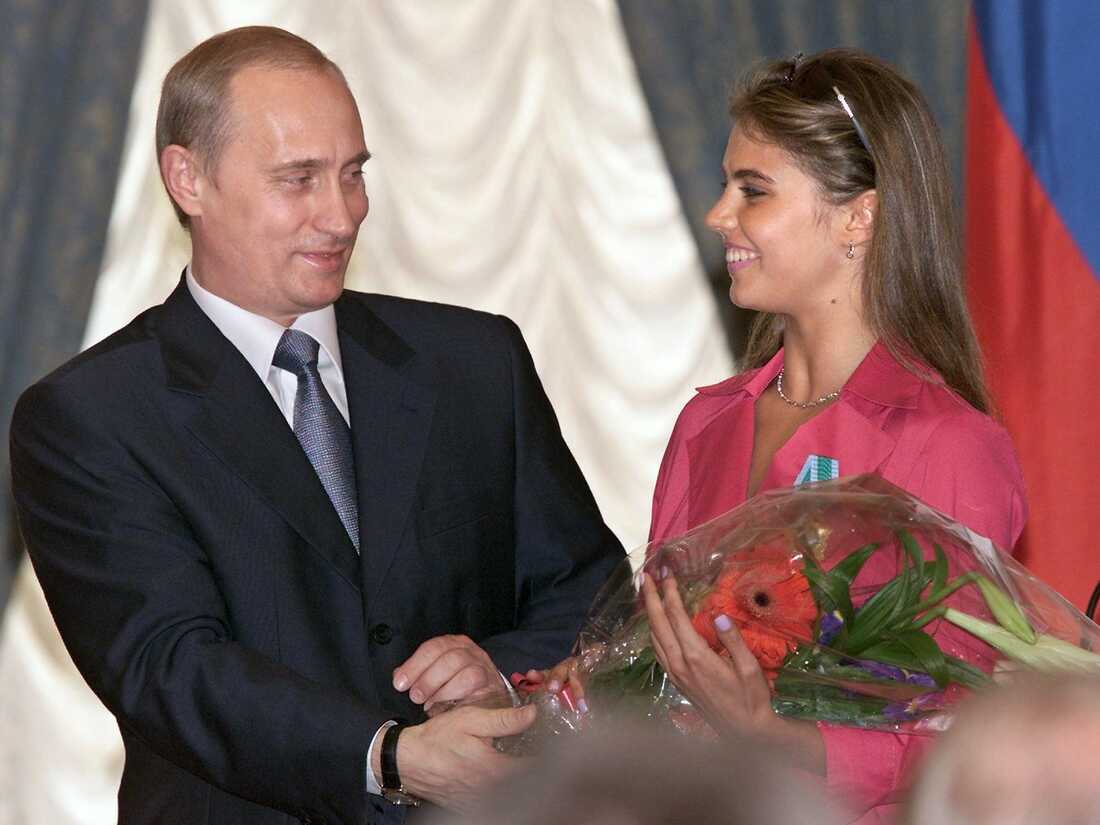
x=723, y=623
x=400, y=682
x=554, y=686
x=582, y=706
x=664, y=572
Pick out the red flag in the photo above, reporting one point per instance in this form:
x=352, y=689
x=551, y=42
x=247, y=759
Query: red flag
x=1032, y=255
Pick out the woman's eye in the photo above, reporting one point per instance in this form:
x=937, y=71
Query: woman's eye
x=752, y=192
x=299, y=180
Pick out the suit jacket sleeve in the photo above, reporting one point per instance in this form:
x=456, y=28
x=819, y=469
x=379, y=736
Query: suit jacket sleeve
x=139, y=607
x=564, y=552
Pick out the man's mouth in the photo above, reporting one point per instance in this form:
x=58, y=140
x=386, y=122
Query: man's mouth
x=325, y=260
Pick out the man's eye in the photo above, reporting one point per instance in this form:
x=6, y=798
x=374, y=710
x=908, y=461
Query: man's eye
x=752, y=192
x=299, y=180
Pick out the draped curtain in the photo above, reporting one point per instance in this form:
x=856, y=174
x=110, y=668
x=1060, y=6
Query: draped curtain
x=66, y=72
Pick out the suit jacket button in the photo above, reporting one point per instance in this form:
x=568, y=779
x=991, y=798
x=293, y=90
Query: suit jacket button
x=381, y=634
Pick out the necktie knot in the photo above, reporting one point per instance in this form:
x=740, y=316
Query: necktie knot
x=296, y=351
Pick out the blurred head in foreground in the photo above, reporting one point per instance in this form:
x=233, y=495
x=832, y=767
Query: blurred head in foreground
x=1026, y=754
x=622, y=775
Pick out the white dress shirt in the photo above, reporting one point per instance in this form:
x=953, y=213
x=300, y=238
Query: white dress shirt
x=256, y=337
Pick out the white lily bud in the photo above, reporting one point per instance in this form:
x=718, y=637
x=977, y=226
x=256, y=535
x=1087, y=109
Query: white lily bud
x=1045, y=654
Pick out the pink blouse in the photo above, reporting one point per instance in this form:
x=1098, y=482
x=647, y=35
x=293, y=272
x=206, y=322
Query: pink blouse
x=914, y=433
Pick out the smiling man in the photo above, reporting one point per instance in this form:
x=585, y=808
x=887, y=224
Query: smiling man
x=276, y=520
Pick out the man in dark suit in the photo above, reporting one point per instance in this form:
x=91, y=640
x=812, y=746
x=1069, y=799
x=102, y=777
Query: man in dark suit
x=273, y=517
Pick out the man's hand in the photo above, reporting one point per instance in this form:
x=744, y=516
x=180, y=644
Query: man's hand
x=449, y=759
x=447, y=668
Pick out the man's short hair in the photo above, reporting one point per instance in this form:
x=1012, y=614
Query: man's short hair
x=194, y=100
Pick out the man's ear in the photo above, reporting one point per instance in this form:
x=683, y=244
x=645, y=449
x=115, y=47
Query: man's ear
x=860, y=214
x=183, y=178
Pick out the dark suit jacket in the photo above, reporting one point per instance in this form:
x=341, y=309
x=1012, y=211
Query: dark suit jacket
x=205, y=586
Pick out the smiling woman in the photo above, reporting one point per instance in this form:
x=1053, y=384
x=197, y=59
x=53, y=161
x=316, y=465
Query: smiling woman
x=839, y=227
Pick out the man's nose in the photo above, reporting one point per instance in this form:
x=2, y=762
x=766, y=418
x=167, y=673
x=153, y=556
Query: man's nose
x=335, y=214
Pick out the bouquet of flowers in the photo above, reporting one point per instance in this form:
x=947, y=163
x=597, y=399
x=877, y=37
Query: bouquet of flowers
x=863, y=606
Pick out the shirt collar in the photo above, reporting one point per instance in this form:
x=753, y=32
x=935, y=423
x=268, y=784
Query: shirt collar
x=880, y=378
x=256, y=336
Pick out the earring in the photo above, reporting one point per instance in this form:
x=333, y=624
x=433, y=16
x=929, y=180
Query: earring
x=851, y=250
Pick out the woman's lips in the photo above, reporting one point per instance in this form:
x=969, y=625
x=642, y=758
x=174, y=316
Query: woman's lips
x=738, y=257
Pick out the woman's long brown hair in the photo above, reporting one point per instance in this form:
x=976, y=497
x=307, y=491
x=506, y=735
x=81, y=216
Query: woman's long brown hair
x=913, y=295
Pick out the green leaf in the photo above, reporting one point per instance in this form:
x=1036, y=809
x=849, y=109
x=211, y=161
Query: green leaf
x=939, y=570
x=885, y=610
x=850, y=567
x=891, y=652
x=918, y=577
x=830, y=593
x=965, y=674
x=876, y=616
x=928, y=653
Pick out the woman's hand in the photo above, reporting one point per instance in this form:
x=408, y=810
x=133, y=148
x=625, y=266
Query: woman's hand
x=562, y=676
x=731, y=693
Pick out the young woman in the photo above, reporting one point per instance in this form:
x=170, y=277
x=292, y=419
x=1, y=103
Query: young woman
x=840, y=228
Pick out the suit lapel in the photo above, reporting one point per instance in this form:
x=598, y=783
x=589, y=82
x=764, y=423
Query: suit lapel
x=230, y=411
x=391, y=416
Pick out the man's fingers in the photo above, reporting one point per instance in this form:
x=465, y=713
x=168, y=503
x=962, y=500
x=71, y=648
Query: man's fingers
x=469, y=684
x=454, y=675
x=496, y=723
x=405, y=674
x=437, y=662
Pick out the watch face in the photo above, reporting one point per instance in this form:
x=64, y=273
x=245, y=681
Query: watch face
x=396, y=796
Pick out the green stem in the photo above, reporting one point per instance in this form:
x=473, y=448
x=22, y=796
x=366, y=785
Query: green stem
x=930, y=616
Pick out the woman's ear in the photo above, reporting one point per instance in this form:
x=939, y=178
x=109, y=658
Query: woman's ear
x=183, y=178
x=860, y=217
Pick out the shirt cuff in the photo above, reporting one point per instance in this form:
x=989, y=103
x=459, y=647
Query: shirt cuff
x=374, y=784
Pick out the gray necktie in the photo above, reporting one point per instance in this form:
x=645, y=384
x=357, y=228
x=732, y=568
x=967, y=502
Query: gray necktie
x=321, y=430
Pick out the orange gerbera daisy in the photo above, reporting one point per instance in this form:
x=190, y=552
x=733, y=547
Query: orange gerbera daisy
x=769, y=601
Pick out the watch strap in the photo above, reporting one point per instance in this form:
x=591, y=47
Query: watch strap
x=391, y=778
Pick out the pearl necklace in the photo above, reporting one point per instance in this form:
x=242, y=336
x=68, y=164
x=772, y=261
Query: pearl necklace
x=803, y=405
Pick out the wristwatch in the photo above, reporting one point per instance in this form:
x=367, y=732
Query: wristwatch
x=392, y=789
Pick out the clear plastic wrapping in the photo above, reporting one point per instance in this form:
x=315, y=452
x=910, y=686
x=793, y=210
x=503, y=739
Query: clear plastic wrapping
x=863, y=606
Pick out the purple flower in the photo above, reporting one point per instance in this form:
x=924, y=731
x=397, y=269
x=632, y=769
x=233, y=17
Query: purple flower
x=830, y=627
x=904, y=711
x=896, y=674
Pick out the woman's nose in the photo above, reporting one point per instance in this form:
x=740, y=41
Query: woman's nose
x=722, y=218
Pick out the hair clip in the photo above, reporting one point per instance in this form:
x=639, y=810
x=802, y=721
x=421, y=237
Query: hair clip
x=859, y=129
x=794, y=67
